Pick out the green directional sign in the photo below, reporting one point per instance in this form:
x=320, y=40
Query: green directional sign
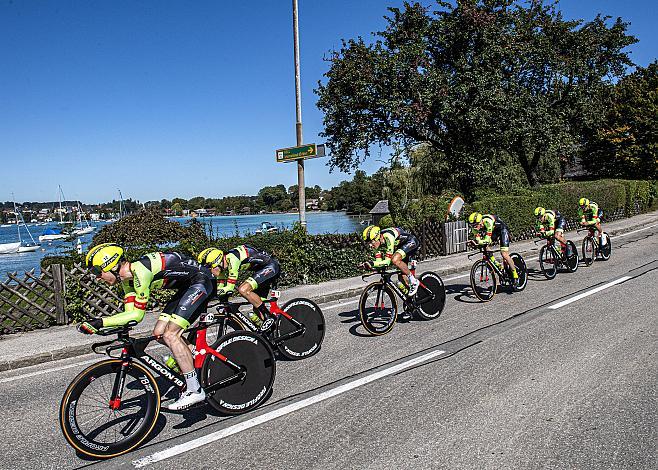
x=301, y=152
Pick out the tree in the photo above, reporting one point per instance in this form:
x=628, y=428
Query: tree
x=275, y=197
x=498, y=90
x=627, y=144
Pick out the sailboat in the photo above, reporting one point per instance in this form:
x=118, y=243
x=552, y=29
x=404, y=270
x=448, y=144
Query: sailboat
x=82, y=229
x=24, y=247
x=54, y=233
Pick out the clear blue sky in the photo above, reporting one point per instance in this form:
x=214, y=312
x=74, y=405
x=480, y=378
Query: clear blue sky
x=179, y=98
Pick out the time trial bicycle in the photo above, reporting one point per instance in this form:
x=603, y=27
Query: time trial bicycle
x=298, y=329
x=592, y=249
x=378, y=305
x=112, y=406
x=553, y=255
x=487, y=275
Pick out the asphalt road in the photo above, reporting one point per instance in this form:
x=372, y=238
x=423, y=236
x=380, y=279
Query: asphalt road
x=508, y=384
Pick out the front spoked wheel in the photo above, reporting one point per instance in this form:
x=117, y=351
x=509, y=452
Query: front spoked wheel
x=605, y=249
x=588, y=251
x=483, y=280
x=547, y=262
x=378, y=308
x=101, y=425
x=431, y=296
x=571, y=257
x=243, y=382
x=306, y=319
x=521, y=270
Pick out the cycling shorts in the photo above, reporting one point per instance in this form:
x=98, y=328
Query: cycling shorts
x=503, y=236
x=560, y=224
x=187, y=304
x=409, y=249
x=263, y=279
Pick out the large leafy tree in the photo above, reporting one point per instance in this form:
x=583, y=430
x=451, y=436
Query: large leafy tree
x=498, y=89
x=627, y=144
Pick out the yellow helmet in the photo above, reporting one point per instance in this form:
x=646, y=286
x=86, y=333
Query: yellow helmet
x=211, y=257
x=371, y=232
x=475, y=218
x=583, y=202
x=540, y=211
x=103, y=258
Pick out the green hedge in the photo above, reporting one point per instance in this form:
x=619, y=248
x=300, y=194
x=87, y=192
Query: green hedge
x=625, y=197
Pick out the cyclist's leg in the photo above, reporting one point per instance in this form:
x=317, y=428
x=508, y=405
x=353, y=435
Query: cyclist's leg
x=504, y=250
x=250, y=288
x=165, y=316
x=191, y=305
x=560, y=224
x=406, y=252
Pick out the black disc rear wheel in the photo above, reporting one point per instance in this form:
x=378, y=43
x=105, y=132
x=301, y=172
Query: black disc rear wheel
x=305, y=318
x=521, y=270
x=431, y=296
x=571, y=257
x=606, y=248
x=244, y=389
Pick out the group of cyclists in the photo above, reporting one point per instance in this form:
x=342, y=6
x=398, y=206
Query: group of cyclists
x=214, y=273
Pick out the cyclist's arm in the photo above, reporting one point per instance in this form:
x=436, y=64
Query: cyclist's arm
x=595, y=212
x=539, y=227
x=380, y=261
x=551, y=225
x=233, y=271
x=135, y=298
x=486, y=239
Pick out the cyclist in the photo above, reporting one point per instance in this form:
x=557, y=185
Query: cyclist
x=226, y=268
x=489, y=228
x=550, y=223
x=194, y=285
x=399, y=245
x=590, y=214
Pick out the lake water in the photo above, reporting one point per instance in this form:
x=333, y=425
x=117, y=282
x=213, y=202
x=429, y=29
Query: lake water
x=317, y=223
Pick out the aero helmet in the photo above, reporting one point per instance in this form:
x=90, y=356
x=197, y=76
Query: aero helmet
x=371, y=232
x=103, y=258
x=540, y=211
x=475, y=218
x=211, y=257
x=583, y=202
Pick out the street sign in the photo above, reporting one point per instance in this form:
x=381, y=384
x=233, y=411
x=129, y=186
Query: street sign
x=302, y=152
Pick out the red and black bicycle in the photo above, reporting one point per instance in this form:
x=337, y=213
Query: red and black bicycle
x=112, y=406
x=298, y=330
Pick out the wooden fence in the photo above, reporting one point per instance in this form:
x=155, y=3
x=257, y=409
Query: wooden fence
x=30, y=302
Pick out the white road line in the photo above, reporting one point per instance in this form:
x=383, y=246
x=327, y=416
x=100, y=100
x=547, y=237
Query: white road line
x=41, y=372
x=590, y=292
x=635, y=231
x=340, y=304
x=209, y=438
x=57, y=369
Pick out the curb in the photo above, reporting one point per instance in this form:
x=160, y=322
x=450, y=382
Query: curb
x=80, y=350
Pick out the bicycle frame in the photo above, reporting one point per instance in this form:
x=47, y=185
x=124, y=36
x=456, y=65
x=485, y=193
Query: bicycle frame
x=135, y=349
x=386, y=276
x=486, y=255
x=233, y=309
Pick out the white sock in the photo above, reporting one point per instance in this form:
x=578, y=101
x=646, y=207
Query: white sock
x=192, y=381
x=602, y=238
x=412, y=279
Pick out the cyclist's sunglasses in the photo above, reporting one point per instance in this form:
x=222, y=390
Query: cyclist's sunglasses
x=98, y=271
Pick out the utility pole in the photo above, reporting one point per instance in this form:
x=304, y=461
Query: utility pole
x=298, y=125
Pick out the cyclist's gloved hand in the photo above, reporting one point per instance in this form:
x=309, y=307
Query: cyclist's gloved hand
x=366, y=266
x=90, y=327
